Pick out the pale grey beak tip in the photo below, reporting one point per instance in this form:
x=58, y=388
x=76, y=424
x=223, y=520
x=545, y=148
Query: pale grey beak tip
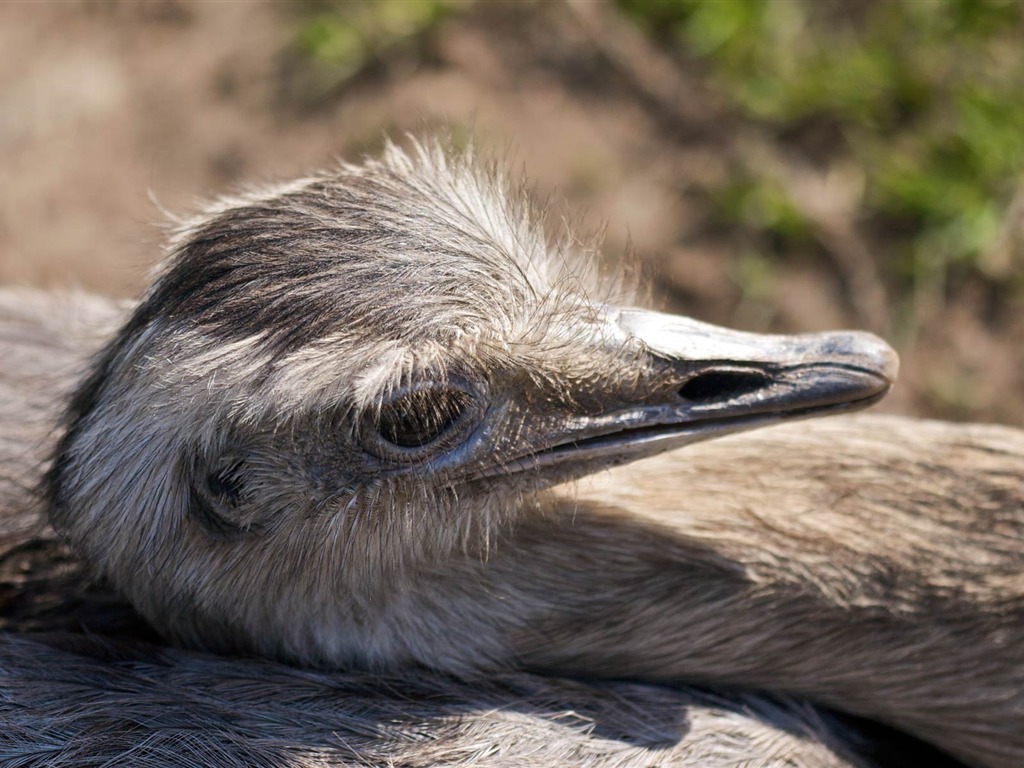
x=873, y=354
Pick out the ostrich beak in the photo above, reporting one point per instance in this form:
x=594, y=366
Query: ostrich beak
x=732, y=373
x=720, y=382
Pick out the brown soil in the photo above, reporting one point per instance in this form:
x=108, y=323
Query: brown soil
x=111, y=112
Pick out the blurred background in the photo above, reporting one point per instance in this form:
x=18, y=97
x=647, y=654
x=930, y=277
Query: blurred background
x=787, y=165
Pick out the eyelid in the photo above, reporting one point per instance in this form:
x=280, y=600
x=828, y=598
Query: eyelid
x=421, y=417
x=470, y=412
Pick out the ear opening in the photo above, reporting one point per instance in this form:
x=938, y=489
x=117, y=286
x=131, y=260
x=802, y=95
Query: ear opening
x=217, y=495
x=225, y=482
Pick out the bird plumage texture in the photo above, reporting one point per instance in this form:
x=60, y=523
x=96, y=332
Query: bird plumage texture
x=111, y=695
x=304, y=443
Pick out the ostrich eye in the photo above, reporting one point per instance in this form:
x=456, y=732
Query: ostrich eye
x=418, y=418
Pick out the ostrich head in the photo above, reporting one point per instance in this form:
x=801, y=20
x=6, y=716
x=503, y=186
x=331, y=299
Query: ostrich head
x=334, y=383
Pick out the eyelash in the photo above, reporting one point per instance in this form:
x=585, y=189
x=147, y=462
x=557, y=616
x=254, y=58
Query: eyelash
x=418, y=422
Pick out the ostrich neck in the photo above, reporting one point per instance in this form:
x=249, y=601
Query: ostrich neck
x=863, y=565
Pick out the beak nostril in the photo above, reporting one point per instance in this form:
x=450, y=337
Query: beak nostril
x=715, y=386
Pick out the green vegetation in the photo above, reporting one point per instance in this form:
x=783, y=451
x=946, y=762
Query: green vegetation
x=925, y=97
x=344, y=37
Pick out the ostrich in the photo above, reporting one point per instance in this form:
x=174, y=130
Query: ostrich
x=338, y=428
x=110, y=696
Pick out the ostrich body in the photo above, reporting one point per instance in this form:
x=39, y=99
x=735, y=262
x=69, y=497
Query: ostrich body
x=68, y=699
x=111, y=696
x=313, y=441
